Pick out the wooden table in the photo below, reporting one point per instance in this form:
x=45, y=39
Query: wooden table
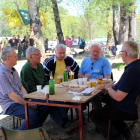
x=61, y=94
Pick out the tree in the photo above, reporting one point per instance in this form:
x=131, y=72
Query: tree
x=34, y=19
x=57, y=22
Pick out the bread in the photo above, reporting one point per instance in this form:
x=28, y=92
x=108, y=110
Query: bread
x=73, y=85
x=83, y=86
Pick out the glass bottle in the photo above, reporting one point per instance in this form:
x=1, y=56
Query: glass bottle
x=51, y=85
x=65, y=75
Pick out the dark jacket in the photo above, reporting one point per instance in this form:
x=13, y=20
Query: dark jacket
x=50, y=64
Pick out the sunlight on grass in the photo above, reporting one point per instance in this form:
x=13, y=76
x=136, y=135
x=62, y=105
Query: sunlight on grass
x=120, y=66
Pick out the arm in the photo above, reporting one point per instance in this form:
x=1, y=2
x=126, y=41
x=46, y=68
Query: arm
x=23, y=90
x=18, y=100
x=81, y=75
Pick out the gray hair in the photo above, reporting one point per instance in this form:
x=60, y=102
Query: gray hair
x=7, y=52
x=96, y=44
x=62, y=46
x=30, y=51
x=131, y=48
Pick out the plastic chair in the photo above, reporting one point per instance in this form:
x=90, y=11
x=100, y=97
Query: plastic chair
x=138, y=107
x=32, y=134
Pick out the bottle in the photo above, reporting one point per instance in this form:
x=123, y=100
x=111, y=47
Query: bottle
x=65, y=75
x=51, y=85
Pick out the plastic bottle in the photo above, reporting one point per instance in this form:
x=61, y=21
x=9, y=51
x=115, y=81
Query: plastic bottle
x=51, y=85
x=65, y=75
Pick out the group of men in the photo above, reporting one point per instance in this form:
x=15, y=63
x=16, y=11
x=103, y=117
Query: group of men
x=122, y=95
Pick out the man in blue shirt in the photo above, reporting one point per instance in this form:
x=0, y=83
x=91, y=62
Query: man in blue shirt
x=122, y=97
x=93, y=66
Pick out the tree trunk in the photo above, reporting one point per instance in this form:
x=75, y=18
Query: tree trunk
x=35, y=20
x=109, y=30
x=123, y=31
x=132, y=25
x=116, y=24
x=57, y=22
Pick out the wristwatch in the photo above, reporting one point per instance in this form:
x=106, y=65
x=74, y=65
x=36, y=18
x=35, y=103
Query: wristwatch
x=109, y=88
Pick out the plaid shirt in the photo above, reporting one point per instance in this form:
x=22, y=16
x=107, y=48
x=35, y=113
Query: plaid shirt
x=9, y=82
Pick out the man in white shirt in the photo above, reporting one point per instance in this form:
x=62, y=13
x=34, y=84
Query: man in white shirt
x=74, y=41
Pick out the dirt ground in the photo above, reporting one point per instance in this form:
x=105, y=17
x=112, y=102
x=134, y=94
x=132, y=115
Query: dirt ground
x=56, y=132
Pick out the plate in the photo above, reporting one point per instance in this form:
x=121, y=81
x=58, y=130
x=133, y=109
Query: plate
x=58, y=85
x=66, y=84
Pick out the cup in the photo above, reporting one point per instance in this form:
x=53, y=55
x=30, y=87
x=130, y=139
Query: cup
x=59, y=79
x=100, y=79
x=46, y=90
x=93, y=82
x=85, y=81
x=80, y=80
x=38, y=88
x=71, y=75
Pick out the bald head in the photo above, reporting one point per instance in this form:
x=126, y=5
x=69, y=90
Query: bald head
x=95, y=51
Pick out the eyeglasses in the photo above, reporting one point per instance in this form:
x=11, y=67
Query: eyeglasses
x=37, y=54
x=121, y=51
x=92, y=66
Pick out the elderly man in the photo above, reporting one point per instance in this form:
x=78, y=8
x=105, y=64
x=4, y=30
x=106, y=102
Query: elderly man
x=57, y=63
x=122, y=97
x=32, y=74
x=93, y=66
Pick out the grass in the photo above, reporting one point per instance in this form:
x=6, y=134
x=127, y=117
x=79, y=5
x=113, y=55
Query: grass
x=120, y=66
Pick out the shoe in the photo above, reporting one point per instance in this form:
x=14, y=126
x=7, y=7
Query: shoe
x=70, y=125
x=128, y=135
x=84, y=120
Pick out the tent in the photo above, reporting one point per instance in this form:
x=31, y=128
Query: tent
x=100, y=39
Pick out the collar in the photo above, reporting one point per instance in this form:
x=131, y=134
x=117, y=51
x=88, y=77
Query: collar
x=132, y=63
x=55, y=58
x=7, y=69
x=28, y=63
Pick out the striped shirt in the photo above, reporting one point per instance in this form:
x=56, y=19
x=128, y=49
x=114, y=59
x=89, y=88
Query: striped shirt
x=9, y=82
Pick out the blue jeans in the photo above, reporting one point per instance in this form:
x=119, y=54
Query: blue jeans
x=37, y=118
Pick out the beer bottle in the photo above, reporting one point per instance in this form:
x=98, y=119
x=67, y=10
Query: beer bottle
x=51, y=85
x=65, y=75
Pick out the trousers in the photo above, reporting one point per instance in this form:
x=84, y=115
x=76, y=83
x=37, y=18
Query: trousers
x=37, y=118
x=100, y=117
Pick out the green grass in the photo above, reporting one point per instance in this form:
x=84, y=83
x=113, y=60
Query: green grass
x=79, y=63
x=120, y=66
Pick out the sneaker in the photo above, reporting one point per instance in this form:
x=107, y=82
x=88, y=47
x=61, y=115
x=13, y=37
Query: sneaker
x=70, y=125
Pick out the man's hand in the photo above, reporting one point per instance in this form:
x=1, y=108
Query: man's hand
x=68, y=68
x=104, y=86
x=87, y=76
x=32, y=106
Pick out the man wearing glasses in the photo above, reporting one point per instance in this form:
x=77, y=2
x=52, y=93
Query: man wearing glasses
x=123, y=95
x=32, y=74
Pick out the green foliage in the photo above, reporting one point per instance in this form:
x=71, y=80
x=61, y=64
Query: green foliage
x=120, y=66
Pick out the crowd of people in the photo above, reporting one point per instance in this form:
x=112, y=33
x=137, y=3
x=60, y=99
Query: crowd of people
x=122, y=95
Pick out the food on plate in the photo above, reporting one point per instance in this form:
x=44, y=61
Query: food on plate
x=83, y=86
x=73, y=85
x=65, y=83
x=76, y=89
x=58, y=85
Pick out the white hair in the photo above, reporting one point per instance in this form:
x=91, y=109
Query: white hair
x=30, y=51
x=131, y=48
x=7, y=52
x=96, y=44
x=62, y=46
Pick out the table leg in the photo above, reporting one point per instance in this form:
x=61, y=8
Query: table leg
x=27, y=116
x=80, y=121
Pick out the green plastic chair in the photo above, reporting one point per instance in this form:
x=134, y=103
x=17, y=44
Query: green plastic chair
x=32, y=134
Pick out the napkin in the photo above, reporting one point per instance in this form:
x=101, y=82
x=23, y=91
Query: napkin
x=86, y=91
x=76, y=98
